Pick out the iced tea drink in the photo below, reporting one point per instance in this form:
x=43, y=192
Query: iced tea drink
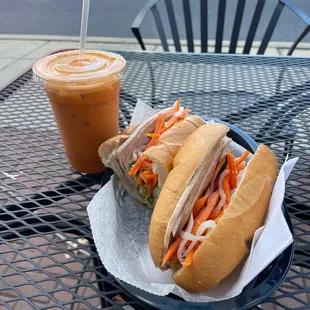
x=84, y=95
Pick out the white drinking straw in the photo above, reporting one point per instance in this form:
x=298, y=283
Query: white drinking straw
x=84, y=24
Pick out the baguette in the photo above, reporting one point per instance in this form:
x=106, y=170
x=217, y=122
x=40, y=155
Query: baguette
x=119, y=152
x=205, y=142
x=163, y=153
x=224, y=246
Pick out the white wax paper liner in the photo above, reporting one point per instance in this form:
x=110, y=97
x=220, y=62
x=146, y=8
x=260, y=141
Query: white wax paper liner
x=120, y=230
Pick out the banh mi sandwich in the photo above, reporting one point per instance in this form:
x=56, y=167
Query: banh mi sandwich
x=142, y=157
x=209, y=208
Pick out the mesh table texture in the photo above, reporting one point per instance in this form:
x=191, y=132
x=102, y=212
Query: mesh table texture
x=47, y=256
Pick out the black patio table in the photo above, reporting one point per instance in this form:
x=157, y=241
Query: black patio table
x=48, y=259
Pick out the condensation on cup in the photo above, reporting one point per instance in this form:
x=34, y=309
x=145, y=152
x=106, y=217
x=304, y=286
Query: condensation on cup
x=84, y=95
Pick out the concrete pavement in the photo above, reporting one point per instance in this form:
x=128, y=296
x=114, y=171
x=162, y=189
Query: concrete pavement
x=114, y=18
x=18, y=52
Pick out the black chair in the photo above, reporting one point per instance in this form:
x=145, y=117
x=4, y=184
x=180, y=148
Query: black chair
x=273, y=127
x=152, y=6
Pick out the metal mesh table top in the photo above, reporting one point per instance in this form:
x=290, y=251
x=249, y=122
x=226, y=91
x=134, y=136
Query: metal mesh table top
x=47, y=256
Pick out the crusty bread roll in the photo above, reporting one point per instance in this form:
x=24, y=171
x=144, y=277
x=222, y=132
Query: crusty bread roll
x=227, y=244
x=163, y=153
x=203, y=143
x=116, y=152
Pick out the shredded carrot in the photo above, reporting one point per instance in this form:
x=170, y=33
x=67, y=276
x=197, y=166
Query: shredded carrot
x=216, y=182
x=219, y=216
x=171, y=121
x=156, y=134
x=189, y=259
x=134, y=169
x=160, y=123
x=215, y=214
x=174, y=259
x=149, y=186
x=201, y=213
x=163, y=125
x=205, y=213
x=188, y=243
x=141, y=169
x=155, y=180
x=153, y=135
x=143, y=166
x=199, y=204
x=217, y=170
x=149, y=176
x=242, y=158
x=146, y=172
x=151, y=180
x=151, y=143
x=172, y=250
x=147, y=164
x=226, y=188
x=197, y=245
x=144, y=176
x=232, y=169
x=139, y=180
x=177, y=104
x=240, y=167
x=174, y=119
x=219, y=165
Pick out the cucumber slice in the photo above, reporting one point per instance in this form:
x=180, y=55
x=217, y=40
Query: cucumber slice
x=142, y=191
x=156, y=191
x=150, y=200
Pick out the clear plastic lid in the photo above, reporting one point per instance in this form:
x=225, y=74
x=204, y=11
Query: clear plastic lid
x=68, y=68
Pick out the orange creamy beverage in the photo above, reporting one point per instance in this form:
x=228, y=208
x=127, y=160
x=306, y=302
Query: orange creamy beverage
x=84, y=95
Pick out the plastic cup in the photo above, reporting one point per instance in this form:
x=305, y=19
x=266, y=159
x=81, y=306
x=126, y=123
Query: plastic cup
x=84, y=95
